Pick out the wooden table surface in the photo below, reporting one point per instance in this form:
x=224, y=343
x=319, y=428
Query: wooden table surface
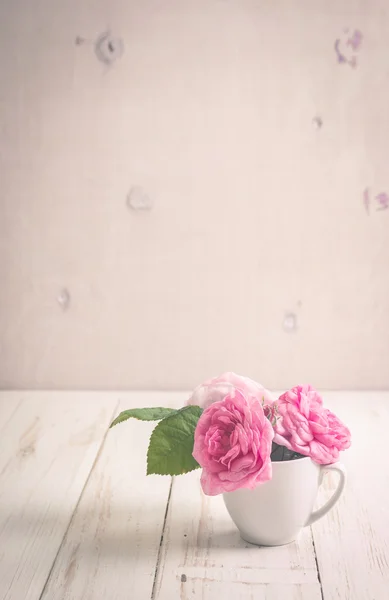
x=79, y=519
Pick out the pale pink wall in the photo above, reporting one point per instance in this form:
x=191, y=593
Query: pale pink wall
x=256, y=212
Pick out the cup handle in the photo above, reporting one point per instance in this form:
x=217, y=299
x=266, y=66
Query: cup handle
x=318, y=514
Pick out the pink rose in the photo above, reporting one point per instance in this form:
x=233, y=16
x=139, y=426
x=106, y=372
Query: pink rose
x=232, y=443
x=216, y=389
x=305, y=426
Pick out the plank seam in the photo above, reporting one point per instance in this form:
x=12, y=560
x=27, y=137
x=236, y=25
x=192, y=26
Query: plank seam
x=11, y=416
x=317, y=565
x=159, y=555
x=98, y=454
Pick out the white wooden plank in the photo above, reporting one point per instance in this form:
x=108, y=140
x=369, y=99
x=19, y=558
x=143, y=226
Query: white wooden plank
x=204, y=556
x=48, y=444
x=9, y=405
x=242, y=590
x=47, y=450
x=112, y=545
x=352, y=541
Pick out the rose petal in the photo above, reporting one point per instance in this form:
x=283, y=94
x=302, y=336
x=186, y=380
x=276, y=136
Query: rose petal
x=305, y=426
x=233, y=441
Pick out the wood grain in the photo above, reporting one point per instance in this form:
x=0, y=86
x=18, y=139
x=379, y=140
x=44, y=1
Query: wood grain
x=352, y=541
x=54, y=463
x=9, y=405
x=49, y=442
x=112, y=545
x=204, y=556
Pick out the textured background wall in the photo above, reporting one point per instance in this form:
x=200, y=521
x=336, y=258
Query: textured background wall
x=262, y=145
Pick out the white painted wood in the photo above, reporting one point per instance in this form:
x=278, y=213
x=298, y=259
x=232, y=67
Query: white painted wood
x=48, y=444
x=9, y=405
x=111, y=549
x=202, y=546
x=352, y=541
x=48, y=447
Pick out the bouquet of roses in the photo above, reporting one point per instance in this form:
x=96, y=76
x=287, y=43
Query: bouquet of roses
x=233, y=429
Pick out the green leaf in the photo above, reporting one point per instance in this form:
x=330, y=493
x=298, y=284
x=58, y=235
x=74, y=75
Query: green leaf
x=171, y=443
x=144, y=414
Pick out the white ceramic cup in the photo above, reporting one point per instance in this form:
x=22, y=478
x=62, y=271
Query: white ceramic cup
x=274, y=512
